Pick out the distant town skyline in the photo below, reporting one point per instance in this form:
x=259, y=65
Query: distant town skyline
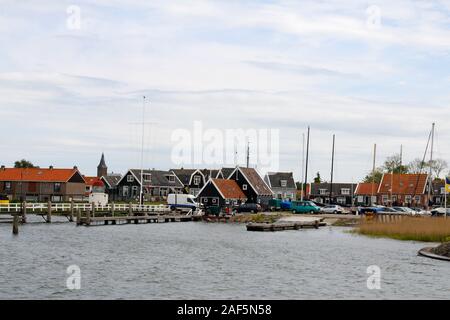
x=73, y=75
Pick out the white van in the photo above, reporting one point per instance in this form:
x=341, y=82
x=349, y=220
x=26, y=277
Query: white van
x=182, y=201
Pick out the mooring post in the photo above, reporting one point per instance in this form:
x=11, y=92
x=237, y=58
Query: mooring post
x=15, y=223
x=49, y=212
x=93, y=209
x=113, y=208
x=130, y=209
x=88, y=218
x=79, y=217
x=24, y=212
x=72, y=209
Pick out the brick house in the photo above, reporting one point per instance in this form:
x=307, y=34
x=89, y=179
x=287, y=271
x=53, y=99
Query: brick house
x=41, y=185
x=403, y=190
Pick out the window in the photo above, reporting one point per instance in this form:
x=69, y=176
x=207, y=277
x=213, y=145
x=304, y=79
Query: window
x=408, y=199
x=7, y=185
x=214, y=200
x=147, y=177
x=130, y=178
x=205, y=200
x=57, y=187
x=394, y=198
x=283, y=183
x=88, y=188
x=197, y=180
x=417, y=198
x=385, y=198
x=360, y=199
x=442, y=190
x=244, y=187
x=171, y=178
x=323, y=191
x=341, y=200
x=438, y=200
x=56, y=198
x=125, y=191
x=345, y=191
x=134, y=190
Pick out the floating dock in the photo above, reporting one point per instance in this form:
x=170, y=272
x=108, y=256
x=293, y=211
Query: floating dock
x=282, y=226
x=136, y=219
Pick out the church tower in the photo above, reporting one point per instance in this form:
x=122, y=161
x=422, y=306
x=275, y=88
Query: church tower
x=102, y=169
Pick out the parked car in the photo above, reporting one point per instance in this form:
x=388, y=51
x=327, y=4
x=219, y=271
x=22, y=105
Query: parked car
x=377, y=210
x=249, y=207
x=405, y=210
x=332, y=209
x=440, y=212
x=304, y=207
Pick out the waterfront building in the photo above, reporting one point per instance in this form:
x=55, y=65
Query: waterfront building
x=341, y=193
x=282, y=185
x=221, y=193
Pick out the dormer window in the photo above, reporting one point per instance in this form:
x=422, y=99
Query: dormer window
x=197, y=180
x=130, y=178
x=147, y=177
x=283, y=183
x=171, y=178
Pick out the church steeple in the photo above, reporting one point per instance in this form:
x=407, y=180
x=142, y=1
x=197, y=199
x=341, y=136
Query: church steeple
x=102, y=168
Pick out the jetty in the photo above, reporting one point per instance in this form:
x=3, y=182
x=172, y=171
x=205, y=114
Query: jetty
x=136, y=219
x=283, y=225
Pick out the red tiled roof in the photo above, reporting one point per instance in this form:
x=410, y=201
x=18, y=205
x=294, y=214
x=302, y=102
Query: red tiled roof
x=36, y=174
x=367, y=188
x=407, y=184
x=93, y=181
x=229, y=189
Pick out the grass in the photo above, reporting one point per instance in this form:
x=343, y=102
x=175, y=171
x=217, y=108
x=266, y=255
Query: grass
x=425, y=229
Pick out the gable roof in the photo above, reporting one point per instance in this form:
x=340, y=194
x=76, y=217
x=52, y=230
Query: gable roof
x=112, y=179
x=273, y=179
x=364, y=188
x=37, y=174
x=184, y=175
x=229, y=189
x=91, y=181
x=407, y=184
x=226, y=172
x=255, y=181
x=159, y=178
x=210, y=173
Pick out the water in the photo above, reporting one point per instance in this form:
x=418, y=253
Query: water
x=211, y=261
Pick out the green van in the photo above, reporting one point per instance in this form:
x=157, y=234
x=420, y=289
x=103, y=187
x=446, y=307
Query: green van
x=304, y=207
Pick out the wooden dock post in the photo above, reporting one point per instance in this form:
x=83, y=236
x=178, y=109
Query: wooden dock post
x=49, y=212
x=72, y=209
x=93, y=209
x=130, y=209
x=79, y=217
x=15, y=223
x=113, y=208
x=88, y=218
x=24, y=212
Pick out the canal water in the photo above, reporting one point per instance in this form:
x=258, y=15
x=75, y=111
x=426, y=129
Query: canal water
x=197, y=260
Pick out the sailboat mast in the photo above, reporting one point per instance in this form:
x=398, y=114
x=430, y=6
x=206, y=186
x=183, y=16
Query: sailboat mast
x=307, y=159
x=303, y=166
x=141, y=193
x=430, y=181
x=332, y=169
x=373, y=173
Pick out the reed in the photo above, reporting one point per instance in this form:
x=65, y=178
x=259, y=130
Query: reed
x=426, y=229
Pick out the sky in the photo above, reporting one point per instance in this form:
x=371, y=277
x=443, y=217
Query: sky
x=73, y=74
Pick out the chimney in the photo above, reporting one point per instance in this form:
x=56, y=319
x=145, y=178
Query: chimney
x=50, y=167
x=3, y=168
x=75, y=167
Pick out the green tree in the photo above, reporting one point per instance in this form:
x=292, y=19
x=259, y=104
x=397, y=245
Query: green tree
x=374, y=176
x=318, y=178
x=23, y=164
x=393, y=164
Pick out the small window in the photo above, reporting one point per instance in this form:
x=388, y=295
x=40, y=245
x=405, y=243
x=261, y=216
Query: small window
x=171, y=178
x=244, y=187
x=323, y=191
x=345, y=191
x=442, y=190
x=283, y=183
x=214, y=200
x=7, y=185
x=130, y=178
x=147, y=177
x=408, y=199
x=197, y=180
x=125, y=191
x=205, y=200
x=417, y=198
x=57, y=187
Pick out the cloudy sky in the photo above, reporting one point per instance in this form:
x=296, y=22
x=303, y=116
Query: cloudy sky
x=73, y=73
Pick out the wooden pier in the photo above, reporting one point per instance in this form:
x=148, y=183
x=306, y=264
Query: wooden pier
x=135, y=219
x=282, y=226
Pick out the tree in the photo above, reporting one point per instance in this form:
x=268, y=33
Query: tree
x=23, y=164
x=417, y=166
x=437, y=167
x=393, y=164
x=374, y=176
x=318, y=178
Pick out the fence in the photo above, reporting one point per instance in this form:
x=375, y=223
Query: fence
x=61, y=207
